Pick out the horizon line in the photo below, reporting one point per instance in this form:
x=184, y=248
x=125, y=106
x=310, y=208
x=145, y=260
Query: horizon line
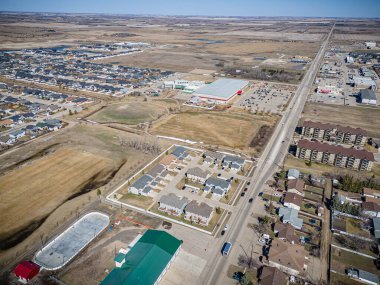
x=179, y=15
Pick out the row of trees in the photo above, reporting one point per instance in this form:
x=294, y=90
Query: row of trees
x=352, y=184
x=144, y=145
x=280, y=75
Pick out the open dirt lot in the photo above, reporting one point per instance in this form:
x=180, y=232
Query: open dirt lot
x=129, y=113
x=228, y=129
x=357, y=117
x=51, y=170
x=31, y=192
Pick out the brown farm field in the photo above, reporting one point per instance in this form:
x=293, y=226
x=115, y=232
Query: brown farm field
x=366, y=118
x=50, y=171
x=227, y=129
x=33, y=191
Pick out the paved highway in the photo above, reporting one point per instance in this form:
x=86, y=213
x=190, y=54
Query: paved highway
x=271, y=158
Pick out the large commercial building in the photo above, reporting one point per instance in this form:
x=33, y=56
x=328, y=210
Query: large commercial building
x=361, y=82
x=221, y=90
x=147, y=261
x=368, y=96
x=335, y=155
x=334, y=133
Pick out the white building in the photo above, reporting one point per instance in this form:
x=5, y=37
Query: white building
x=370, y=45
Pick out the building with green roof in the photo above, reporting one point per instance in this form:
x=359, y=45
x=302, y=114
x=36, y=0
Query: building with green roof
x=147, y=261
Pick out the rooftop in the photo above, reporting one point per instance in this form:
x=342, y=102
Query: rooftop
x=324, y=147
x=222, y=89
x=151, y=253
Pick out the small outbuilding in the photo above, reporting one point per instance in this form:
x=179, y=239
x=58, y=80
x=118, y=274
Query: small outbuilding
x=25, y=271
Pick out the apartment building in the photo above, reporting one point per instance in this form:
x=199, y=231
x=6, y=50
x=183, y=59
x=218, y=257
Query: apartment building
x=334, y=133
x=335, y=155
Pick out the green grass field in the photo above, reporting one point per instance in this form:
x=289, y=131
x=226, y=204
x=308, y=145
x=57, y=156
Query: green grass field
x=129, y=113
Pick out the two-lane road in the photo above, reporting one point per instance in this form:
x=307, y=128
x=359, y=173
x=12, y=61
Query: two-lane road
x=272, y=156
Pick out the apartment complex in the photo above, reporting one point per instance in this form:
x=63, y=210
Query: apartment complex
x=335, y=155
x=334, y=133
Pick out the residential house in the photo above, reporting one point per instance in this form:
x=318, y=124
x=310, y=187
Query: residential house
x=234, y=162
x=172, y=204
x=369, y=192
x=198, y=213
x=140, y=184
x=364, y=276
x=335, y=155
x=198, y=175
x=272, y=276
x=293, y=200
x=180, y=153
x=17, y=134
x=212, y=157
x=334, y=133
x=376, y=228
x=289, y=258
x=286, y=232
x=293, y=174
x=7, y=140
x=6, y=123
x=371, y=209
x=156, y=170
x=217, y=186
x=296, y=186
x=290, y=216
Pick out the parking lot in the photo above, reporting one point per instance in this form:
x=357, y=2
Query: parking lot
x=266, y=97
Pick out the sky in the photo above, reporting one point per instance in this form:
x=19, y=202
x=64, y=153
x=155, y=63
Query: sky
x=265, y=8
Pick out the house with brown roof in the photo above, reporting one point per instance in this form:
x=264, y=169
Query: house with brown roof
x=292, y=200
x=335, y=155
x=371, y=209
x=272, y=276
x=289, y=258
x=286, y=232
x=6, y=123
x=370, y=192
x=198, y=213
x=296, y=186
x=334, y=133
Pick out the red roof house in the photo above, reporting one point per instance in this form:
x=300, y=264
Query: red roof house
x=26, y=270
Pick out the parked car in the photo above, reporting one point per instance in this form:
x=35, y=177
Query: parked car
x=242, y=194
x=261, y=194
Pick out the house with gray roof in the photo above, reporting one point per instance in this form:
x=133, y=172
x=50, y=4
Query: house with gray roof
x=156, y=170
x=376, y=227
x=197, y=175
x=233, y=162
x=172, y=204
x=362, y=275
x=293, y=174
x=212, y=157
x=140, y=184
x=198, y=213
x=217, y=186
x=180, y=153
x=290, y=216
